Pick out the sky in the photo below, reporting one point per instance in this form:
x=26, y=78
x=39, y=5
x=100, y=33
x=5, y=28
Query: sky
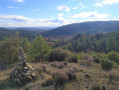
x=36, y=13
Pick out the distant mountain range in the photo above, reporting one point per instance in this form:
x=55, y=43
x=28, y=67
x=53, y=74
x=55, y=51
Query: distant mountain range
x=31, y=28
x=29, y=32
x=67, y=30
x=85, y=27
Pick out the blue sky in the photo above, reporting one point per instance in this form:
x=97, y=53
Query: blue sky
x=30, y=13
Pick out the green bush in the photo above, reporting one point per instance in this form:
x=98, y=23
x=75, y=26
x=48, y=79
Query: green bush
x=106, y=64
x=80, y=55
x=58, y=55
x=73, y=58
x=98, y=57
x=113, y=56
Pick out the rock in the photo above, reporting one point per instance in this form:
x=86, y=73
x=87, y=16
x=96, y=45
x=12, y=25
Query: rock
x=25, y=75
x=32, y=74
x=23, y=72
x=18, y=81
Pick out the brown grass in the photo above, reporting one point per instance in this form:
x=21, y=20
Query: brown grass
x=48, y=77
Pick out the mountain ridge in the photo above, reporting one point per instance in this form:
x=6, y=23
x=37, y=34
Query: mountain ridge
x=85, y=27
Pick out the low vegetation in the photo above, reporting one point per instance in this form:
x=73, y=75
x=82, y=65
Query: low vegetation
x=106, y=64
x=113, y=56
x=62, y=67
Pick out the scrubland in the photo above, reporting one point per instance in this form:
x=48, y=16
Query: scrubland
x=86, y=74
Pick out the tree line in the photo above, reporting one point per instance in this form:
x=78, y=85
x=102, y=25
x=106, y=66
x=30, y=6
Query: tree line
x=102, y=42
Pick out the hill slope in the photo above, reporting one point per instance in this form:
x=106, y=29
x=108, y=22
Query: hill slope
x=9, y=32
x=101, y=42
x=86, y=27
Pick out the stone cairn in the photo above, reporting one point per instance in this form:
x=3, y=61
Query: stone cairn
x=23, y=72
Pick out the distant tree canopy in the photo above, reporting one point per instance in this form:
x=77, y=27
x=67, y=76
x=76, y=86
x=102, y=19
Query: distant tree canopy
x=97, y=42
x=22, y=33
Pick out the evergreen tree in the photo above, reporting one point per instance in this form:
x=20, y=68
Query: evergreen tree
x=40, y=49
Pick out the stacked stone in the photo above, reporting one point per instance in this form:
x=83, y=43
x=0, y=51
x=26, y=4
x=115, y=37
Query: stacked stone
x=23, y=72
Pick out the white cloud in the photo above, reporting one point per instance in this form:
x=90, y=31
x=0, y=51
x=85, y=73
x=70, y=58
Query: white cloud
x=36, y=10
x=16, y=18
x=60, y=15
x=98, y=4
x=20, y=21
x=83, y=6
x=11, y=7
x=20, y=0
x=50, y=20
x=110, y=2
x=91, y=20
x=64, y=8
x=80, y=5
x=90, y=15
x=106, y=2
x=57, y=22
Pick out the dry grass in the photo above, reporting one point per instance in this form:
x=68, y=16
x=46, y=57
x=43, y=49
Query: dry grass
x=4, y=74
x=58, y=65
x=89, y=76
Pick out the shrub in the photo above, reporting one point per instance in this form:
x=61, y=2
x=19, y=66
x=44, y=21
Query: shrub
x=87, y=57
x=58, y=55
x=59, y=65
x=106, y=64
x=95, y=86
x=80, y=55
x=71, y=74
x=113, y=56
x=113, y=76
x=73, y=58
x=60, y=77
x=98, y=57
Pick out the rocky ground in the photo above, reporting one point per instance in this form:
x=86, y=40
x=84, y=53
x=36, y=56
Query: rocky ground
x=84, y=75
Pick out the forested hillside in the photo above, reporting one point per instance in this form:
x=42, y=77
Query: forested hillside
x=102, y=42
x=85, y=27
x=9, y=32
